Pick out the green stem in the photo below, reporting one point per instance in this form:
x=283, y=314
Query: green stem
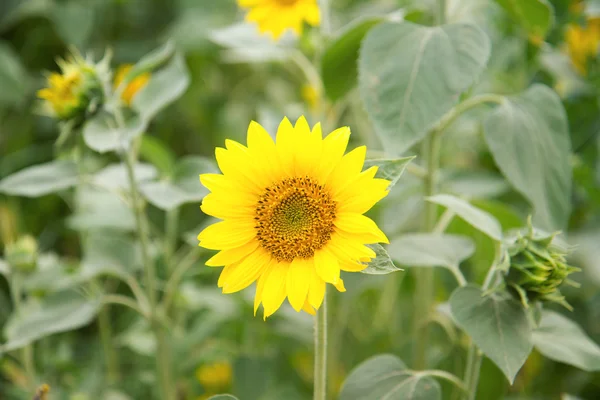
x=475, y=375
x=171, y=237
x=163, y=362
x=112, y=362
x=441, y=12
x=325, y=18
x=320, y=381
x=26, y=356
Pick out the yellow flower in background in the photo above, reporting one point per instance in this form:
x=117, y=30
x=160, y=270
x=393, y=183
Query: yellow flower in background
x=582, y=43
x=134, y=86
x=292, y=214
x=42, y=393
x=275, y=16
x=310, y=95
x=68, y=94
x=215, y=376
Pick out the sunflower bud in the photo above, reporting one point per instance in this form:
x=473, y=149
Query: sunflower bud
x=537, y=266
x=215, y=376
x=74, y=92
x=22, y=254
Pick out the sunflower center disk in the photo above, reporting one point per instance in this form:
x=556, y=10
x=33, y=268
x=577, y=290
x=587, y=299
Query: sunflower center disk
x=294, y=218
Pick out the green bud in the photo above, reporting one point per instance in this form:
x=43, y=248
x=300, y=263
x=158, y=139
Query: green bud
x=537, y=267
x=22, y=254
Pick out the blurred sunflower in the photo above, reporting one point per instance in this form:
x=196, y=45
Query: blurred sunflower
x=292, y=214
x=275, y=16
x=136, y=84
x=582, y=44
x=68, y=94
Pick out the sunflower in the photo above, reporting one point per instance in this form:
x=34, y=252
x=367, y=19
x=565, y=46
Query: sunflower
x=136, y=84
x=291, y=214
x=275, y=16
x=582, y=44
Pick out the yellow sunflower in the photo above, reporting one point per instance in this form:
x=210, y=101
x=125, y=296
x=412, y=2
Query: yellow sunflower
x=275, y=16
x=137, y=84
x=292, y=214
x=583, y=44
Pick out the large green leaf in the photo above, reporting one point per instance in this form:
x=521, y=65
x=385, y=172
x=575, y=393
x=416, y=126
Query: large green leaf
x=165, y=86
x=382, y=263
x=497, y=324
x=184, y=187
x=60, y=312
x=536, y=16
x=387, y=377
x=390, y=169
x=114, y=176
x=13, y=78
x=40, y=180
x=245, y=44
x=561, y=339
x=411, y=75
x=477, y=218
x=529, y=139
x=101, y=133
x=339, y=69
x=100, y=209
x=109, y=252
x=431, y=249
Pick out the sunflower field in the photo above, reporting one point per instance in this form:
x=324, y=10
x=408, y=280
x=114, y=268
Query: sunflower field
x=299, y=199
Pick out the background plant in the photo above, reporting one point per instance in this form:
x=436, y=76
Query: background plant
x=498, y=101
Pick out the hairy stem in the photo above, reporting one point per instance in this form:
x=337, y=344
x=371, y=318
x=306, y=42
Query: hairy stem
x=320, y=388
x=26, y=356
x=112, y=362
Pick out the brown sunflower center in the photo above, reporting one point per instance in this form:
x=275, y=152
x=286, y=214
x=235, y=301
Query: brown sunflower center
x=286, y=2
x=294, y=218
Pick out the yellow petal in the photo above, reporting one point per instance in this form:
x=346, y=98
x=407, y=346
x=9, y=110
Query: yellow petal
x=298, y=282
x=340, y=286
x=374, y=191
x=347, y=170
x=286, y=146
x=327, y=266
x=274, y=291
x=308, y=308
x=260, y=286
x=316, y=294
x=247, y=271
x=230, y=256
x=227, y=235
x=358, y=223
x=223, y=207
x=334, y=146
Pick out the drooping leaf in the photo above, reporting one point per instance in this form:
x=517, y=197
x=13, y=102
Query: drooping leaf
x=382, y=263
x=562, y=340
x=339, y=67
x=109, y=252
x=497, y=324
x=165, y=86
x=154, y=60
x=100, y=209
x=184, y=187
x=245, y=44
x=158, y=154
x=479, y=219
x=405, y=86
x=536, y=16
x=13, y=77
x=60, y=312
x=390, y=169
x=115, y=176
x=102, y=134
x=223, y=397
x=387, y=377
x=431, y=250
x=41, y=180
x=529, y=139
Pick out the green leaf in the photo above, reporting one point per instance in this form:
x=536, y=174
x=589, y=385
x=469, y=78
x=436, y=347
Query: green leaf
x=109, y=252
x=114, y=176
x=99, y=209
x=562, y=340
x=52, y=275
x=102, y=135
x=405, y=85
x=497, y=324
x=536, y=16
x=390, y=169
x=223, y=397
x=431, y=250
x=41, y=179
x=382, y=263
x=184, y=187
x=339, y=69
x=73, y=21
x=60, y=312
x=154, y=60
x=477, y=218
x=13, y=77
x=164, y=87
x=157, y=153
x=245, y=44
x=4, y=268
x=529, y=139
x=387, y=377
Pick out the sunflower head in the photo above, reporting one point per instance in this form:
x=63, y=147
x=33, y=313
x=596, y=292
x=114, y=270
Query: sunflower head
x=291, y=213
x=70, y=93
x=137, y=84
x=276, y=16
x=537, y=268
x=22, y=255
x=583, y=43
x=215, y=376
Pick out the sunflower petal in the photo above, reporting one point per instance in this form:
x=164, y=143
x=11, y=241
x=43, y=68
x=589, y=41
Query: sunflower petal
x=298, y=282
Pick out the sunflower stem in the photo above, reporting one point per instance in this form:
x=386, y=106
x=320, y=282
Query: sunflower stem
x=325, y=18
x=163, y=363
x=320, y=385
x=26, y=356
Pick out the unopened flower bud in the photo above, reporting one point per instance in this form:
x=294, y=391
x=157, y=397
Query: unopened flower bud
x=22, y=254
